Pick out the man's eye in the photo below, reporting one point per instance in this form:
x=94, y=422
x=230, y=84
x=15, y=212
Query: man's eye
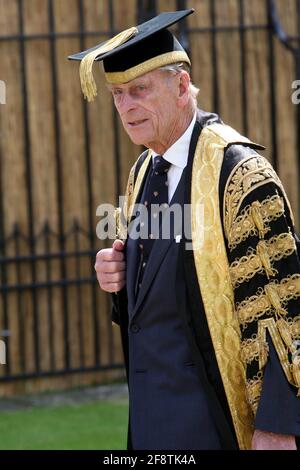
x=141, y=87
x=116, y=92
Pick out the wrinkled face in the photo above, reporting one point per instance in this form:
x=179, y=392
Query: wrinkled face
x=148, y=107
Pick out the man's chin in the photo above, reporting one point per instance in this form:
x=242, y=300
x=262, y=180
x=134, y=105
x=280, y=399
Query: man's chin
x=136, y=139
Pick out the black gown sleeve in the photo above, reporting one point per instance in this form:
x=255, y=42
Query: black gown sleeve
x=265, y=274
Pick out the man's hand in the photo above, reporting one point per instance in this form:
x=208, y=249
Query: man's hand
x=263, y=440
x=110, y=267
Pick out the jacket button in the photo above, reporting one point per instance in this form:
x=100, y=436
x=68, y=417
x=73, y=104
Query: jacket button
x=135, y=328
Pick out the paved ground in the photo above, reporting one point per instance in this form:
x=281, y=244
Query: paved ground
x=115, y=392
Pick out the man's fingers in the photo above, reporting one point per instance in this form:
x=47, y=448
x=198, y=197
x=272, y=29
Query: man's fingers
x=118, y=245
x=113, y=286
x=111, y=266
x=106, y=278
x=109, y=254
x=264, y=440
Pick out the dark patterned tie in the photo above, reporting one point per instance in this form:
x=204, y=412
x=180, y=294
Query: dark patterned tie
x=156, y=197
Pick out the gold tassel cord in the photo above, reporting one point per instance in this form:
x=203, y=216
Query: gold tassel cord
x=263, y=353
x=285, y=333
x=88, y=84
x=262, y=251
x=284, y=330
x=258, y=219
x=274, y=299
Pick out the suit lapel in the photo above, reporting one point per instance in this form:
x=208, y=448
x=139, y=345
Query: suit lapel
x=132, y=254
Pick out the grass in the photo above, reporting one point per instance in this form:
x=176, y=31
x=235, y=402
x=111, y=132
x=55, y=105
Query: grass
x=93, y=426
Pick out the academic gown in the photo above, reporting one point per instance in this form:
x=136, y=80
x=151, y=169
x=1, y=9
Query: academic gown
x=268, y=410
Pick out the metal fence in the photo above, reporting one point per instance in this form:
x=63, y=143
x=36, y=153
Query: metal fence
x=52, y=270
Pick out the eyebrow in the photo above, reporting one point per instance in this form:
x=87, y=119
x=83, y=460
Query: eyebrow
x=138, y=81
x=109, y=86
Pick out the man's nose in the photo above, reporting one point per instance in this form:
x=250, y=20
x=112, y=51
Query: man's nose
x=127, y=103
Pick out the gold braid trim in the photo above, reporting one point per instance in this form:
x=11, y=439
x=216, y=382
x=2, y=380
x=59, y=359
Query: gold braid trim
x=254, y=349
x=147, y=66
x=274, y=297
x=258, y=219
x=283, y=343
x=247, y=175
x=211, y=262
x=257, y=348
x=123, y=215
x=275, y=333
x=253, y=390
x=266, y=258
x=285, y=330
x=294, y=325
x=255, y=262
x=244, y=226
x=269, y=299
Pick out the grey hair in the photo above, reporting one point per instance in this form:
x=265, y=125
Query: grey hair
x=179, y=67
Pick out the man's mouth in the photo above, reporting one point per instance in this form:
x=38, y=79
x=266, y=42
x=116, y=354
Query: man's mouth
x=137, y=122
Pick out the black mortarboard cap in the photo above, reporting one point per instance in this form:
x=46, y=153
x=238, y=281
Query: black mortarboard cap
x=133, y=52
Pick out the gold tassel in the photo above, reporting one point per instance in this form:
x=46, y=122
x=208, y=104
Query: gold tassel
x=285, y=334
x=88, y=84
x=258, y=219
x=263, y=354
x=121, y=229
x=262, y=251
x=275, y=299
x=263, y=347
x=296, y=375
x=296, y=367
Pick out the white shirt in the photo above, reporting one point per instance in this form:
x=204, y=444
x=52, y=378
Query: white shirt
x=177, y=155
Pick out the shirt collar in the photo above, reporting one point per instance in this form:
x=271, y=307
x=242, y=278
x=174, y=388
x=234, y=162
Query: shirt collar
x=178, y=153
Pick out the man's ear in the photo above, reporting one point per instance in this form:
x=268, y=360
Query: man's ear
x=184, y=83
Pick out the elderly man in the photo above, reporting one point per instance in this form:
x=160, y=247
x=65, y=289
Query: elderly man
x=208, y=315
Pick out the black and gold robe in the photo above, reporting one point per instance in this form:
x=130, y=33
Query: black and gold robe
x=242, y=278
